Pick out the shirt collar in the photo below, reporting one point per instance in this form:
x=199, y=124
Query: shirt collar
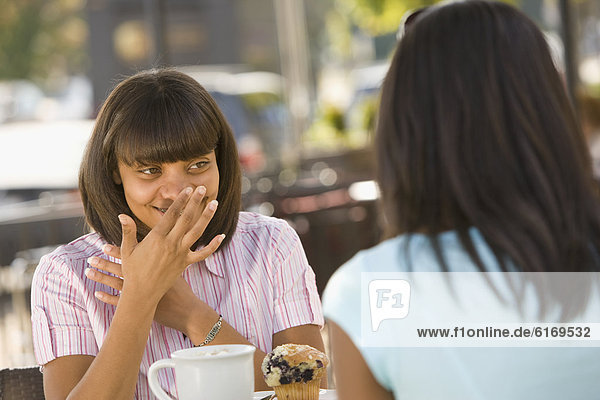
x=214, y=266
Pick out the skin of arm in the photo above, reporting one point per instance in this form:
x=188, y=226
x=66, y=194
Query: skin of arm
x=168, y=244
x=354, y=380
x=91, y=377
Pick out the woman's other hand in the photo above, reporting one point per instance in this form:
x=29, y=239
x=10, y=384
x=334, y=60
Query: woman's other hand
x=173, y=309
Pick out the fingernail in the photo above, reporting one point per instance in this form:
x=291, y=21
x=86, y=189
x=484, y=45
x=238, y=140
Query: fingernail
x=98, y=295
x=89, y=272
x=187, y=190
x=93, y=261
x=107, y=248
x=222, y=236
x=123, y=219
x=201, y=190
x=212, y=206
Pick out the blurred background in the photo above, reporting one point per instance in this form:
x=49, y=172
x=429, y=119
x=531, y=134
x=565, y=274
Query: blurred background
x=298, y=81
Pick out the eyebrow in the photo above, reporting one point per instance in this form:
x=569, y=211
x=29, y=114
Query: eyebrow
x=145, y=163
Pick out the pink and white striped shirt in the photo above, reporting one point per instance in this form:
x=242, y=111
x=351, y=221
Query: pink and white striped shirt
x=261, y=283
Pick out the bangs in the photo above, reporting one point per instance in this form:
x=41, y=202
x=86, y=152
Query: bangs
x=165, y=130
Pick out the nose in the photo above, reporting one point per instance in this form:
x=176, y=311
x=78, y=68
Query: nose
x=172, y=183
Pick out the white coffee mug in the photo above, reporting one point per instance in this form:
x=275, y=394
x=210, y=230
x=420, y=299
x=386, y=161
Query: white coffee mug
x=218, y=372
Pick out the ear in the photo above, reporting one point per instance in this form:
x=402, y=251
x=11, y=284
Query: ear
x=116, y=177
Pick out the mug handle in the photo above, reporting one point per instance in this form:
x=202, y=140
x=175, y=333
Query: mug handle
x=153, y=377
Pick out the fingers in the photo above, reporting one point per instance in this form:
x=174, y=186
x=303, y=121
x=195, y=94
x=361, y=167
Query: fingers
x=105, y=265
x=129, y=239
x=107, y=298
x=199, y=255
x=112, y=281
x=194, y=233
x=195, y=217
x=108, y=280
x=192, y=210
x=168, y=221
x=113, y=251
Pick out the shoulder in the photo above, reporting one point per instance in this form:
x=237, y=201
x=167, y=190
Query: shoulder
x=342, y=295
x=416, y=252
x=261, y=230
x=384, y=257
x=251, y=222
x=261, y=242
x=345, y=284
x=71, y=256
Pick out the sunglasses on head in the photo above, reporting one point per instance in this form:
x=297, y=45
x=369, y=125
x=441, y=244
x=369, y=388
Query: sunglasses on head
x=408, y=20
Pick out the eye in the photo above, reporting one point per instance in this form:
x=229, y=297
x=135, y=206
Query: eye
x=149, y=171
x=199, y=164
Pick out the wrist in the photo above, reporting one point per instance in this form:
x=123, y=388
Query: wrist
x=200, y=324
x=147, y=299
x=212, y=334
x=134, y=305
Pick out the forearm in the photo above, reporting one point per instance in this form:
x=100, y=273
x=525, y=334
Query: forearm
x=114, y=372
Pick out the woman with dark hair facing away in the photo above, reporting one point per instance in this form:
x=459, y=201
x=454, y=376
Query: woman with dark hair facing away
x=482, y=168
x=171, y=257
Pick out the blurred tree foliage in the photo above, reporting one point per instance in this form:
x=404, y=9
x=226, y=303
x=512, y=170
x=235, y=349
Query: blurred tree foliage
x=42, y=38
x=379, y=17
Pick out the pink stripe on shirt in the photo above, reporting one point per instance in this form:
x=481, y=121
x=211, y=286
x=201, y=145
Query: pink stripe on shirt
x=261, y=283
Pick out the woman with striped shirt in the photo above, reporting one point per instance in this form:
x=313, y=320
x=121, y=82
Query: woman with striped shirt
x=171, y=256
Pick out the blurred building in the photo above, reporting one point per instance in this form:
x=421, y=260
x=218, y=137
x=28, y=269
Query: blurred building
x=130, y=35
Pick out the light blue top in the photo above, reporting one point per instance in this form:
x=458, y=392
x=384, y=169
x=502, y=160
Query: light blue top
x=448, y=373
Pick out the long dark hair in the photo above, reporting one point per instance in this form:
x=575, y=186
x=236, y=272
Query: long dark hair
x=475, y=130
x=157, y=116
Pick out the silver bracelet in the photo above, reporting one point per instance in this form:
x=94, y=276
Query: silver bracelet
x=213, y=332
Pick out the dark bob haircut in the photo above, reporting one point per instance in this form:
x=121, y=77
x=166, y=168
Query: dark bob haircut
x=475, y=130
x=157, y=116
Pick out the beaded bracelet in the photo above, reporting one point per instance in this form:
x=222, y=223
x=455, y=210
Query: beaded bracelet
x=213, y=332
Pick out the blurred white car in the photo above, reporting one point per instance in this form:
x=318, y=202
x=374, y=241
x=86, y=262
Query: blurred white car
x=42, y=154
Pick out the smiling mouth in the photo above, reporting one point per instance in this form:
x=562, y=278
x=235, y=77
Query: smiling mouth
x=162, y=210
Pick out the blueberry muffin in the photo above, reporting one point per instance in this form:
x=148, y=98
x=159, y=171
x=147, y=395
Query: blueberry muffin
x=294, y=371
